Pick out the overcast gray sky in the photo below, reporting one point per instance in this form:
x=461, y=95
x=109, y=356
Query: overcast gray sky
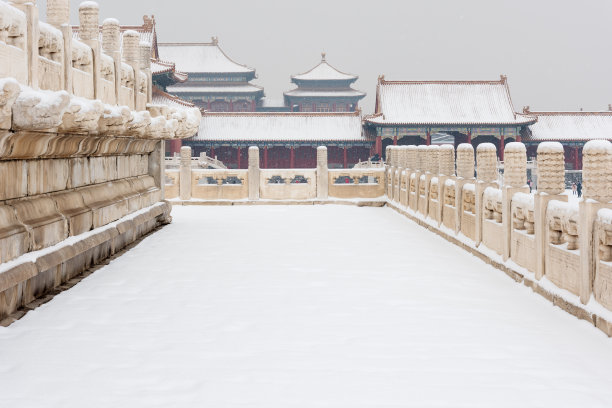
x=556, y=53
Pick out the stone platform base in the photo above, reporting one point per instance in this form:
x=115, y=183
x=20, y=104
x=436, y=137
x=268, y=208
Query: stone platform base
x=35, y=276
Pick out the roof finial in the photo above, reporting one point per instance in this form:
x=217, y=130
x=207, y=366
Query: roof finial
x=503, y=78
x=610, y=107
x=526, y=109
x=215, y=40
x=323, y=56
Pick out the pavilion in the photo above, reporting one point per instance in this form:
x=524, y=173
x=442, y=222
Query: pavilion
x=323, y=89
x=410, y=112
x=285, y=140
x=215, y=82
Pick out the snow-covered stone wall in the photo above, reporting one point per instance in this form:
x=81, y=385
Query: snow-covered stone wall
x=81, y=175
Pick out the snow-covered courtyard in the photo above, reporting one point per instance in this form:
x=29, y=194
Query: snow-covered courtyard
x=300, y=306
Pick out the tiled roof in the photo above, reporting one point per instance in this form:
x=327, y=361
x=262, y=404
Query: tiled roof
x=275, y=126
x=578, y=126
x=200, y=58
x=190, y=88
x=163, y=98
x=445, y=103
x=160, y=67
x=323, y=72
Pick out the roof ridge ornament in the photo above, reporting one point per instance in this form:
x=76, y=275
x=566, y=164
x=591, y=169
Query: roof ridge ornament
x=323, y=57
x=504, y=78
x=215, y=40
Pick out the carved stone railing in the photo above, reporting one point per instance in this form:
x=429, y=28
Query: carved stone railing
x=567, y=243
x=72, y=166
x=272, y=184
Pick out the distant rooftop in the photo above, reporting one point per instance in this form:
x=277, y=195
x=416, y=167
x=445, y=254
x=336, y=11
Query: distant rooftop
x=276, y=126
x=324, y=72
x=201, y=58
x=569, y=126
x=445, y=103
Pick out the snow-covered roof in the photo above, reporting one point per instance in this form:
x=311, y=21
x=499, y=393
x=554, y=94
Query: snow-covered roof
x=278, y=126
x=161, y=67
x=313, y=93
x=190, y=88
x=200, y=58
x=160, y=97
x=580, y=126
x=323, y=72
x=445, y=103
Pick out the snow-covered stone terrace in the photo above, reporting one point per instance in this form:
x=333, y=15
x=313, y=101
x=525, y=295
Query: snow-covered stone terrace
x=297, y=306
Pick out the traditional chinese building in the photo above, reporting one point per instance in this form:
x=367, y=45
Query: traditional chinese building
x=215, y=82
x=285, y=140
x=323, y=89
x=571, y=129
x=410, y=112
x=164, y=74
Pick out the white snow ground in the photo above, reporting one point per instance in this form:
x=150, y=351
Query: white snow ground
x=247, y=306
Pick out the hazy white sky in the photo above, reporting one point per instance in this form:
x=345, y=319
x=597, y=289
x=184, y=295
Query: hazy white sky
x=556, y=53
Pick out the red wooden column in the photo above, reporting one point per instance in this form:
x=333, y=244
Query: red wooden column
x=265, y=161
x=469, y=137
x=175, y=146
x=212, y=152
x=575, y=158
x=239, y=158
x=428, y=138
x=379, y=145
x=501, y=148
x=345, y=157
x=518, y=137
x=253, y=107
x=394, y=140
x=231, y=106
x=292, y=158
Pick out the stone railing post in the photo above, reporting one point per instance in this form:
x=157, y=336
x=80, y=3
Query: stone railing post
x=465, y=174
x=388, y=172
x=396, y=155
x=89, y=32
x=185, y=174
x=322, y=174
x=446, y=170
x=32, y=33
x=597, y=188
x=145, y=62
x=111, y=44
x=551, y=184
x=131, y=55
x=515, y=181
x=58, y=12
x=486, y=175
x=253, y=174
x=58, y=15
x=430, y=166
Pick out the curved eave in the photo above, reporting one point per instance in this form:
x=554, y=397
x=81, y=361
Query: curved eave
x=299, y=81
x=436, y=124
